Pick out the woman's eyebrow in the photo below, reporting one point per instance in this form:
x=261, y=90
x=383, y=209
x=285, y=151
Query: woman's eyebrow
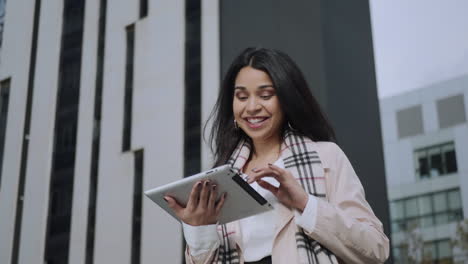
x=259, y=87
x=266, y=86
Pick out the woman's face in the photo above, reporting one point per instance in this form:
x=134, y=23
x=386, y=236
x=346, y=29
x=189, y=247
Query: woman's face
x=256, y=107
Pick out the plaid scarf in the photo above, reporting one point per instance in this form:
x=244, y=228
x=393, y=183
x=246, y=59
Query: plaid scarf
x=302, y=160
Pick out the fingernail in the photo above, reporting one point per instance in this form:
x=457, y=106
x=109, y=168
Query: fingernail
x=214, y=187
x=254, y=169
x=205, y=183
x=246, y=178
x=165, y=199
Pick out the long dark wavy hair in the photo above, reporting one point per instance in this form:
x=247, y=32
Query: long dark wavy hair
x=301, y=110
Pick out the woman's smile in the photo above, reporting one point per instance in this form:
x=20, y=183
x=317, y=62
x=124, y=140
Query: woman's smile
x=256, y=122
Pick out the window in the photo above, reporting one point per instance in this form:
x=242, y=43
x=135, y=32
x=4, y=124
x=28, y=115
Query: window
x=143, y=8
x=2, y=20
x=426, y=210
x=93, y=179
x=137, y=206
x=192, y=104
x=435, y=161
x=128, y=99
x=4, y=98
x=57, y=237
x=439, y=252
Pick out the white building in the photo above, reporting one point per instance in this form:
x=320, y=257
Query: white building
x=77, y=65
x=425, y=135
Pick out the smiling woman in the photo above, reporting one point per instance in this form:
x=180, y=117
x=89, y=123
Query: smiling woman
x=256, y=107
x=268, y=73
x=269, y=127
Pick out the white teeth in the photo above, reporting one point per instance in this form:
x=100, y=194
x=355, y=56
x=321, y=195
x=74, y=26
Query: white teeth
x=255, y=120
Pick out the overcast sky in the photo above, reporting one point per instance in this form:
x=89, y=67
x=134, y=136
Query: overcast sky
x=418, y=42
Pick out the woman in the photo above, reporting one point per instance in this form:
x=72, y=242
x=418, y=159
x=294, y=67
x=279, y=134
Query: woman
x=268, y=126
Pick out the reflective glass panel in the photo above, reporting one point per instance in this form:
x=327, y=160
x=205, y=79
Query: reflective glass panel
x=435, y=158
x=444, y=249
x=396, y=210
x=454, y=201
x=440, y=202
x=425, y=205
x=448, y=151
x=411, y=207
x=441, y=218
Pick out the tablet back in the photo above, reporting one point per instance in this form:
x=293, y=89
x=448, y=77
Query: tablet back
x=241, y=200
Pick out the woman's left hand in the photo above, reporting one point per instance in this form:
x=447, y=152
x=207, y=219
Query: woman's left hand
x=289, y=192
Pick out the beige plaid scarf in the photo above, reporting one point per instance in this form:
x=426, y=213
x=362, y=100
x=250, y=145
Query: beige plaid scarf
x=302, y=160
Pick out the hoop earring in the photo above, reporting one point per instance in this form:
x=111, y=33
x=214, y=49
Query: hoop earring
x=235, y=124
x=290, y=127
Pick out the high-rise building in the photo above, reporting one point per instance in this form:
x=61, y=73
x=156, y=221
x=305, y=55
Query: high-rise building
x=425, y=134
x=101, y=100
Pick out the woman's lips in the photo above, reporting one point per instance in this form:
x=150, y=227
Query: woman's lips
x=255, y=122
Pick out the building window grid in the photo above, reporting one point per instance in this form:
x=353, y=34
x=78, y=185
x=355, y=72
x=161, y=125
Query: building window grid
x=434, y=161
x=433, y=253
x=409, y=220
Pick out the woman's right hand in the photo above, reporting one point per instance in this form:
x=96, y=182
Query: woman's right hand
x=202, y=208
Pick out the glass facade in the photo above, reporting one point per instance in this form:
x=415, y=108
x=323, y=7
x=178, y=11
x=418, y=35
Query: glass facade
x=192, y=111
x=426, y=210
x=4, y=98
x=422, y=212
x=143, y=8
x=137, y=205
x=435, y=161
x=2, y=20
x=66, y=118
x=128, y=100
x=93, y=182
x=433, y=252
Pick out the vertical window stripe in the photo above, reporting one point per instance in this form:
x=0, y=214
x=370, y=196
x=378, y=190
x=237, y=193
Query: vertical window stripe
x=127, y=129
x=137, y=206
x=4, y=99
x=143, y=8
x=93, y=183
x=66, y=119
x=192, y=114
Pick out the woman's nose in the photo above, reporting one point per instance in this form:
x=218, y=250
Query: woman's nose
x=253, y=105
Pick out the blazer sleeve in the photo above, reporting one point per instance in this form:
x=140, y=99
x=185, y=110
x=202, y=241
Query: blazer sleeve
x=345, y=222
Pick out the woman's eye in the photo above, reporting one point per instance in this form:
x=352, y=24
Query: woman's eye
x=266, y=97
x=242, y=97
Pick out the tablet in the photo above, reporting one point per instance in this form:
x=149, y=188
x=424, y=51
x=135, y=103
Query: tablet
x=241, y=200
